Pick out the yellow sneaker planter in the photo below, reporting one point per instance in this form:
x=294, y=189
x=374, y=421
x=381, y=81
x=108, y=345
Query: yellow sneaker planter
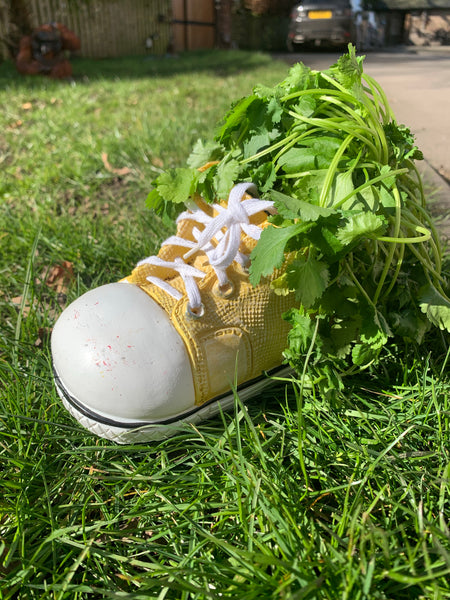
x=135, y=359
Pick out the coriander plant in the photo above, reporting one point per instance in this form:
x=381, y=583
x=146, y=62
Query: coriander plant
x=352, y=230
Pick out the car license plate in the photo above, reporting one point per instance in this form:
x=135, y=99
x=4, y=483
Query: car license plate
x=320, y=14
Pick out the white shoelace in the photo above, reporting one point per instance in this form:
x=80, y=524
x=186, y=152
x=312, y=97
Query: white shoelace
x=219, y=240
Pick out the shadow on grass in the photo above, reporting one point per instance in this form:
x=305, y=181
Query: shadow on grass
x=222, y=63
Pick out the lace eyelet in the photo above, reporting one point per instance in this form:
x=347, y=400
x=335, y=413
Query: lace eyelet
x=224, y=291
x=198, y=313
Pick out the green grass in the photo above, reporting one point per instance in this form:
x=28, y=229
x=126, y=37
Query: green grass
x=286, y=498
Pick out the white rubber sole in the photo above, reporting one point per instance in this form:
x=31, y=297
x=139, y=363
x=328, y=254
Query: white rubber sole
x=145, y=431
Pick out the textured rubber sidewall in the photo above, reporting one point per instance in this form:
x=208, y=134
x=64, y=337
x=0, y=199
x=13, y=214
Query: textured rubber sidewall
x=151, y=432
x=148, y=432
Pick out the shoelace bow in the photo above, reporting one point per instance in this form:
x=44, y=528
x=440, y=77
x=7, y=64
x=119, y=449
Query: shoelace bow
x=225, y=229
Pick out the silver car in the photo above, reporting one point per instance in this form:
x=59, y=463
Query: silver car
x=321, y=22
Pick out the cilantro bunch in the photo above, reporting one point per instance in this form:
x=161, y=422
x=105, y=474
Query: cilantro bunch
x=352, y=229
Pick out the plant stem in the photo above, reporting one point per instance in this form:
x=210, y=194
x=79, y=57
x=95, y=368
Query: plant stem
x=390, y=256
x=369, y=183
x=332, y=170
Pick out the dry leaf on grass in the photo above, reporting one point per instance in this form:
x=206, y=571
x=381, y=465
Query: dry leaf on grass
x=15, y=124
x=157, y=162
x=17, y=302
x=43, y=336
x=60, y=276
x=121, y=172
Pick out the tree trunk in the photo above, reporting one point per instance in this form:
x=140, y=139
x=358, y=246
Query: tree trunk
x=224, y=23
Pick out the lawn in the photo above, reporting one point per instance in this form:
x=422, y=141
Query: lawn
x=288, y=497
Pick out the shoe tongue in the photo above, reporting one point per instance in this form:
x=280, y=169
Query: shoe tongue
x=198, y=202
x=258, y=219
x=184, y=230
x=199, y=260
x=247, y=243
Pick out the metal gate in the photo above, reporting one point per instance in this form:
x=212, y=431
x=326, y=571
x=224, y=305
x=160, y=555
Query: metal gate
x=194, y=24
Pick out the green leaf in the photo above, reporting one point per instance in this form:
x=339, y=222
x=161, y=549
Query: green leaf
x=376, y=333
x=330, y=386
x=343, y=333
x=205, y=185
x=369, y=199
x=269, y=252
x=375, y=330
x=256, y=116
x=306, y=106
x=435, y=306
x=292, y=208
x=235, y=117
x=167, y=210
x=275, y=110
x=177, y=185
x=264, y=177
x=363, y=355
x=297, y=160
x=256, y=143
x=225, y=177
x=287, y=206
x=308, y=188
x=308, y=278
x=409, y=325
x=389, y=182
x=326, y=146
x=301, y=332
x=342, y=187
x=401, y=142
x=266, y=92
x=155, y=201
x=204, y=152
x=361, y=225
x=387, y=199
x=299, y=78
x=340, y=301
x=348, y=69
x=324, y=238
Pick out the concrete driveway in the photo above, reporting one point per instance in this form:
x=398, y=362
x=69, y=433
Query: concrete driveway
x=417, y=85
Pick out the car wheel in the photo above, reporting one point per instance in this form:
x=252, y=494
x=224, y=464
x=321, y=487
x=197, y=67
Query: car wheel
x=292, y=47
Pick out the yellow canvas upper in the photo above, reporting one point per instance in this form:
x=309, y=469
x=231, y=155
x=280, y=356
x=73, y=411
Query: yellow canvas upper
x=241, y=333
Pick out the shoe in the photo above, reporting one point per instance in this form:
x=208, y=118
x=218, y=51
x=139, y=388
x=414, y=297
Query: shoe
x=136, y=359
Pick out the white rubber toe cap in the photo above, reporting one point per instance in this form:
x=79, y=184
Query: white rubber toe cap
x=116, y=352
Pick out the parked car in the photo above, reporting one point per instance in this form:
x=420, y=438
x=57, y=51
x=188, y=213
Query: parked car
x=321, y=22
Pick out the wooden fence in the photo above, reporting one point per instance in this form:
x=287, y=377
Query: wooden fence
x=194, y=24
x=106, y=28
x=109, y=28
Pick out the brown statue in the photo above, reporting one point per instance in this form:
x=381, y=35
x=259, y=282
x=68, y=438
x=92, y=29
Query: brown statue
x=43, y=52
